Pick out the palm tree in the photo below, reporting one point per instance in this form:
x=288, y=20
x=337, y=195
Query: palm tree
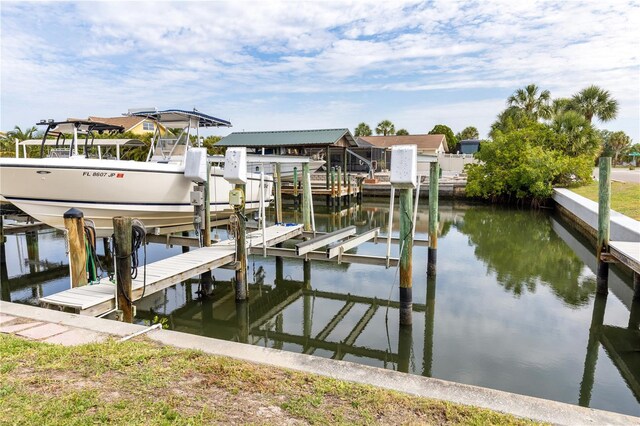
x=7, y=143
x=469, y=132
x=385, y=128
x=533, y=104
x=619, y=142
x=594, y=101
x=363, y=129
x=560, y=105
x=402, y=132
x=579, y=135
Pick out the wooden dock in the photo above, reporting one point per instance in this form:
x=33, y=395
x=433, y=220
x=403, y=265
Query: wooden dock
x=627, y=253
x=98, y=299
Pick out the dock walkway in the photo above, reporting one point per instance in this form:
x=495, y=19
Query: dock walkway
x=98, y=299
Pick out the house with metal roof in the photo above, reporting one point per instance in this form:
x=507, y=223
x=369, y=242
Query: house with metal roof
x=427, y=144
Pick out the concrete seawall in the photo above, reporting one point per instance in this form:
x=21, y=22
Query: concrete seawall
x=585, y=213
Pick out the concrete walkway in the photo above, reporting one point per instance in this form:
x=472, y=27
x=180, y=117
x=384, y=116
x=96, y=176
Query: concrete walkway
x=70, y=329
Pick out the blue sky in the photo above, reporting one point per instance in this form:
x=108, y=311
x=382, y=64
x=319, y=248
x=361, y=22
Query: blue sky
x=294, y=65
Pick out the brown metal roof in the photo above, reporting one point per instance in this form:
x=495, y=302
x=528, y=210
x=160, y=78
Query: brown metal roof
x=424, y=142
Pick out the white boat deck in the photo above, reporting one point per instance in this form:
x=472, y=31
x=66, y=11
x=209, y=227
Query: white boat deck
x=98, y=299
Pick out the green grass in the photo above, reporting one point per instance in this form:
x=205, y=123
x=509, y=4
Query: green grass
x=625, y=197
x=138, y=382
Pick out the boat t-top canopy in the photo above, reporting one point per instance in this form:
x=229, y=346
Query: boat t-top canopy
x=81, y=126
x=181, y=118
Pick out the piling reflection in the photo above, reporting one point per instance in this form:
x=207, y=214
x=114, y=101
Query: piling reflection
x=429, y=321
x=622, y=345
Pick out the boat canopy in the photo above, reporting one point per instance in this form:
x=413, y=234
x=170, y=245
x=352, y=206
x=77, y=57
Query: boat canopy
x=97, y=142
x=181, y=118
x=81, y=126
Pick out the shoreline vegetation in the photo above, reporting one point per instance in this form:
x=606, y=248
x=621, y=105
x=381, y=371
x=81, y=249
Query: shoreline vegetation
x=139, y=382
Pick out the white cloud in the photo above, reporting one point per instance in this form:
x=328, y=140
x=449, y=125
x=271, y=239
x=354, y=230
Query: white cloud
x=172, y=53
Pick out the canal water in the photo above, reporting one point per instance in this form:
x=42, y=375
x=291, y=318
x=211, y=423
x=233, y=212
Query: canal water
x=513, y=306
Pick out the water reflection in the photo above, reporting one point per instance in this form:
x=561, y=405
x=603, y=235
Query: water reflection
x=524, y=251
x=546, y=336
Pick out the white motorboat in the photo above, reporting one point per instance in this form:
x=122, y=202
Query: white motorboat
x=155, y=191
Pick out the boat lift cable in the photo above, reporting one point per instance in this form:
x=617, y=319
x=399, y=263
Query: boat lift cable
x=138, y=239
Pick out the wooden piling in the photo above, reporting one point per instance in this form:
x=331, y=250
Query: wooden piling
x=122, y=236
x=74, y=224
x=3, y=239
x=5, y=290
x=604, y=209
x=406, y=256
x=306, y=197
x=206, y=232
x=278, y=186
x=339, y=187
x=636, y=286
x=432, y=252
x=405, y=337
x=429, y=321
x=344, y=165
x=327, y=165
x=333, y=186
x=349, y=188
x=241, y=250
x=296, y=202
x=33, y=251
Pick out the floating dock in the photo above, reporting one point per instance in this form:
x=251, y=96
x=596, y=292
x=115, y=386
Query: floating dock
x=99, y=299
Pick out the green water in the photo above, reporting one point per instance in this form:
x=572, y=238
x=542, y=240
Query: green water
x=511, y=308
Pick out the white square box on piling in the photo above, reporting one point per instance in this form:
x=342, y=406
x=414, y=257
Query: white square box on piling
x=235, y=165
x=404, y=166
x=195, y=165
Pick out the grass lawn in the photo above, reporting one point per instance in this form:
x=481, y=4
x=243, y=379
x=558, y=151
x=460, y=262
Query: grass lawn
x=138, y=382
x=625, y=197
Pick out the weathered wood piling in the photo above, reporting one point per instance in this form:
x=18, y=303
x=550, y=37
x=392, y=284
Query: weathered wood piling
x=432, y=252
x=74, y=224
x=604, y=208
x=122, y=236
x=406, y=256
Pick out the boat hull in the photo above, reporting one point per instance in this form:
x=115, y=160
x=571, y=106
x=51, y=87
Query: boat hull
x=155, y=193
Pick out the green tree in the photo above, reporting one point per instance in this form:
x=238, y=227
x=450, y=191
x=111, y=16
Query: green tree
x=363, y=129
x=512, y=118
x=402, y=132
x=532, y=101
x=578, y=137
x=560, y=105
x=441, y=129
x=523, y=164
x=620, y=144
x=385, y=128
x=7, y=143
x=469, y=132
x=594, y=101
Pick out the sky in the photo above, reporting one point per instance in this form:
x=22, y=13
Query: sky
x=274, y=65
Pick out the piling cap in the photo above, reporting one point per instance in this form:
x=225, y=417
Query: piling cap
x=73, y=213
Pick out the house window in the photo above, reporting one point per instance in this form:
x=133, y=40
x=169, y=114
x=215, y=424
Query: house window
x=148, y=126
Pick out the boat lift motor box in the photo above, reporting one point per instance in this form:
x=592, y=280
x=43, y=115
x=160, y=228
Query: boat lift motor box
x=235, y=165
x=195, y=165
x=404, y=166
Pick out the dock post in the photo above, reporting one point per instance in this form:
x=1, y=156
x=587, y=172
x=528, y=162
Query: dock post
x=296, y=202
x=306, y=198
x=604, y=209
x=406, y=256
x=278, y=186
x=122, y=237
x=360, y=189
x=333, y=187
x=339, y=187
x=349, y=182
x=636, y=286
x=432, y=252
x=74, y=224
x=206, y=277
x=327, y=165
x=344, y=164
x=241, y=251
x=5, y=291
